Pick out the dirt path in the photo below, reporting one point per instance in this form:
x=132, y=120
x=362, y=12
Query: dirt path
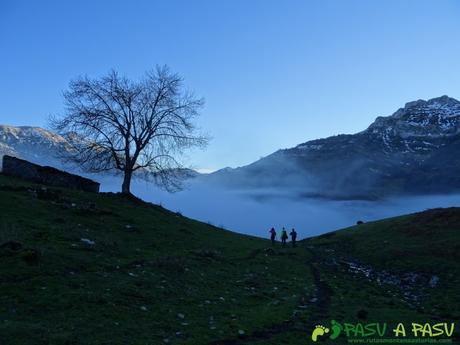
x=318, y=308
x=323, y=290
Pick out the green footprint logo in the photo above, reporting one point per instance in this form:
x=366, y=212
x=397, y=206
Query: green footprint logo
x=336, y=329
x=318, y=331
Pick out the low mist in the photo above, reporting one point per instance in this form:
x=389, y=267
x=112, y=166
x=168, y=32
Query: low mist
x=255, y=212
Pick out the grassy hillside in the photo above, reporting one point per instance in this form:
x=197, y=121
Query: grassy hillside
x=82, y=268
x=403, y=268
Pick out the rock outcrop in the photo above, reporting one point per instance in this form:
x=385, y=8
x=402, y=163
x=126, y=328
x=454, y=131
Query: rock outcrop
x=46, y=175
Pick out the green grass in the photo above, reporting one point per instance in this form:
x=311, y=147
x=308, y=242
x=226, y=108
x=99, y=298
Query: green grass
x=156, y=277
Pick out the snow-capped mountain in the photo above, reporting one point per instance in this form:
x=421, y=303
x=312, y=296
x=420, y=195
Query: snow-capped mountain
x=34, y=144
x=415, y=150
x=45, y=147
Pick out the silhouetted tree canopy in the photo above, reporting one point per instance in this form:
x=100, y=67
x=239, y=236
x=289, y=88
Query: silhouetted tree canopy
x=139, y=128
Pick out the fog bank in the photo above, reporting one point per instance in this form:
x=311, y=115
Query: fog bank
x=255, y=212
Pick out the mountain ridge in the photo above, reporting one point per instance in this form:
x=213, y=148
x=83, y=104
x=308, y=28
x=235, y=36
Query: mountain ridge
x=33, y=143
x=386, y=158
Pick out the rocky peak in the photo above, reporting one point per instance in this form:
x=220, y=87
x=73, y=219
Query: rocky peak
x=444, y=106
x=435, y=117
x=28, y=133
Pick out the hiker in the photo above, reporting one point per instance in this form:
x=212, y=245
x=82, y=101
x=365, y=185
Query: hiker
x=293, y=234
x=284, y=237
x=272, y=235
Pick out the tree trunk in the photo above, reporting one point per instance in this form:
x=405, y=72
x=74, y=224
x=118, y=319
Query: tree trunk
x=126, y=186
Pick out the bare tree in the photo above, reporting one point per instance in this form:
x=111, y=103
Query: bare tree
x=136, y=128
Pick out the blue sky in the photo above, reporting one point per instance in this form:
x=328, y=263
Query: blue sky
x=274, y=73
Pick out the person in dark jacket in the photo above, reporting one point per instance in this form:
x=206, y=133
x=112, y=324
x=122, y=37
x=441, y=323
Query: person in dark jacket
x=284, y=237
x=293, y=234
x=272, y=235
